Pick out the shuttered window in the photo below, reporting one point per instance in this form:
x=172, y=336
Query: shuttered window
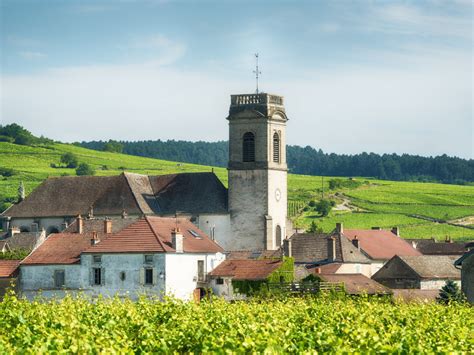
x=97, y=276
x=248, y=147
x=276, y=148
x=59, y=278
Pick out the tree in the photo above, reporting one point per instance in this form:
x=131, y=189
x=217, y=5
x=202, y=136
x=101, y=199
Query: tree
x=313, y=228
x=450, y=292
x=113, y=146
x=70, y=160
x=84, y=169
x=324, y=207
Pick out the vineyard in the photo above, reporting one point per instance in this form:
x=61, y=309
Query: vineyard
x=416, y=208
x=322, y=324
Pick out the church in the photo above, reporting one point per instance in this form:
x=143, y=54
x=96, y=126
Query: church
x=250, y=215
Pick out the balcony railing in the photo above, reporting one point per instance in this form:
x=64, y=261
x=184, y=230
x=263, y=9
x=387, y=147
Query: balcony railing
x=256, y=99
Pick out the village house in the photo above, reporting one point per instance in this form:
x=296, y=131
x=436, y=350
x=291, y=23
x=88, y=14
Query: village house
x=313, y=250
x=432, y=246
x=18, y=241
x=153, y=256
x=425, y=272
x=377, y=244
x=248, y=274
x=466, y=264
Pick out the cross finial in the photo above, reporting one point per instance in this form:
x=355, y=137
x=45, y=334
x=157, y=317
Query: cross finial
x=256, y=71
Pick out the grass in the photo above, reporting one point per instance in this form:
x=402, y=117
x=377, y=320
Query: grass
x=384, y=203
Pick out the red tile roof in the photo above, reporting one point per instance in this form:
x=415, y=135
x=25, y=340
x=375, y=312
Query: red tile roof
x=60, y=248
x=8, y=267
x=356, y=284
x=153, y=234
x=246, y=269
x=381, y=244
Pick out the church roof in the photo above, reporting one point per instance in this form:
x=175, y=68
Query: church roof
x=134, y=193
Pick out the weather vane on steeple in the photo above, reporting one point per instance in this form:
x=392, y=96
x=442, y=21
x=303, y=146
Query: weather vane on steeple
x=256, y=71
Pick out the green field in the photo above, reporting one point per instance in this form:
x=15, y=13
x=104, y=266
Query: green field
x=317, y=324
x=378, y=203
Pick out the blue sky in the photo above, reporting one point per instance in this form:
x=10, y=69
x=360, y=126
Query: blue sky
x=379, y=76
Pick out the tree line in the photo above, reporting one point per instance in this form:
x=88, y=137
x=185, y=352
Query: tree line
x=309, y=161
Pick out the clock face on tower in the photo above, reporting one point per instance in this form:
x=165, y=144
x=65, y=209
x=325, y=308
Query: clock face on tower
x=277, y=194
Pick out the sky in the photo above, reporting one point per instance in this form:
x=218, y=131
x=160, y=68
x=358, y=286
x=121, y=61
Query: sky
x=373, y=76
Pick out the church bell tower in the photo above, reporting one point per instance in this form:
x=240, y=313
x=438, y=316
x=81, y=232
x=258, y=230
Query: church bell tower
x=257, y=171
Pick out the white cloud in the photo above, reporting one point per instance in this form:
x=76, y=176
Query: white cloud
x=423, y=106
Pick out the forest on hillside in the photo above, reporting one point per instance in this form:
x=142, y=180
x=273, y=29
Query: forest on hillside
x=309, y=161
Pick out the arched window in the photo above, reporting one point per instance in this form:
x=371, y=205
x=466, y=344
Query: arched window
x=248, y=147
x=276, y=148
x=278, y=236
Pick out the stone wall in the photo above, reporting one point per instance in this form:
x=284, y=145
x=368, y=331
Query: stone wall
x=467, y=277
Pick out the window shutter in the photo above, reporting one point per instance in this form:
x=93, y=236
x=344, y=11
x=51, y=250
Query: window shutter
x=91, y=276
x=142, y=276
x=155, y=277
x=102, y=276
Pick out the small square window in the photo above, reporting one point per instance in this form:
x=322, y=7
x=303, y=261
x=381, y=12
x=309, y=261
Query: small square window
x=219, y=281
x=148, y=259
x=97, y=259
x=148, y=276
x=122, y=275
x=59, y=278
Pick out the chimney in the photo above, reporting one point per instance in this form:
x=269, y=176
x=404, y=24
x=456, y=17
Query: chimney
x=318, y=270
x=340, y=228
x=13, y=230
x=396, y=231
x=331, y=248
x=355, y=242
x=107, y=226
x=448, y=239
x=95, y=239
x=79, y=225
x=376, y=228
x=287, y=247
x=177, y=240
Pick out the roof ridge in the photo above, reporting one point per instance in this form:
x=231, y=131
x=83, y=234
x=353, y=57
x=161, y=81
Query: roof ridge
x=156, y=236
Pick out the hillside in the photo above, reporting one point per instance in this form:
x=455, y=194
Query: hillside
x=411, y=206
x=310, y=161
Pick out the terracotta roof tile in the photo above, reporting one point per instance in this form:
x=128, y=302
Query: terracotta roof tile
x=246, y=269
x=8, y=268
x=380, y=244
x=60, y=248
x=153, y=234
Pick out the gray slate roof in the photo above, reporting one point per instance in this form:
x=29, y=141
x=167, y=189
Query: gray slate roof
x=23, y=240
x=136, y=194
x=432, y=266
x=433, y=247
x=313, y=248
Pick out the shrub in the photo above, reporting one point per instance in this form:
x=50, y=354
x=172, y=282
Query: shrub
x=312, y=203
x=85, y=169
x=450, y=292
x=7, y=172
x=6, y=139
x=70, y=160
x=313, y=228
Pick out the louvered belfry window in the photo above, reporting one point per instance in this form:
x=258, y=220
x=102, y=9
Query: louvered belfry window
x=276, y=148
x=249, y=147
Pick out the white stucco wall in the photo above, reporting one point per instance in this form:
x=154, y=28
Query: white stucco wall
x=225, y=290
x=354, y=268
x=182, y=272
x=435, y=284
x=277, y=209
